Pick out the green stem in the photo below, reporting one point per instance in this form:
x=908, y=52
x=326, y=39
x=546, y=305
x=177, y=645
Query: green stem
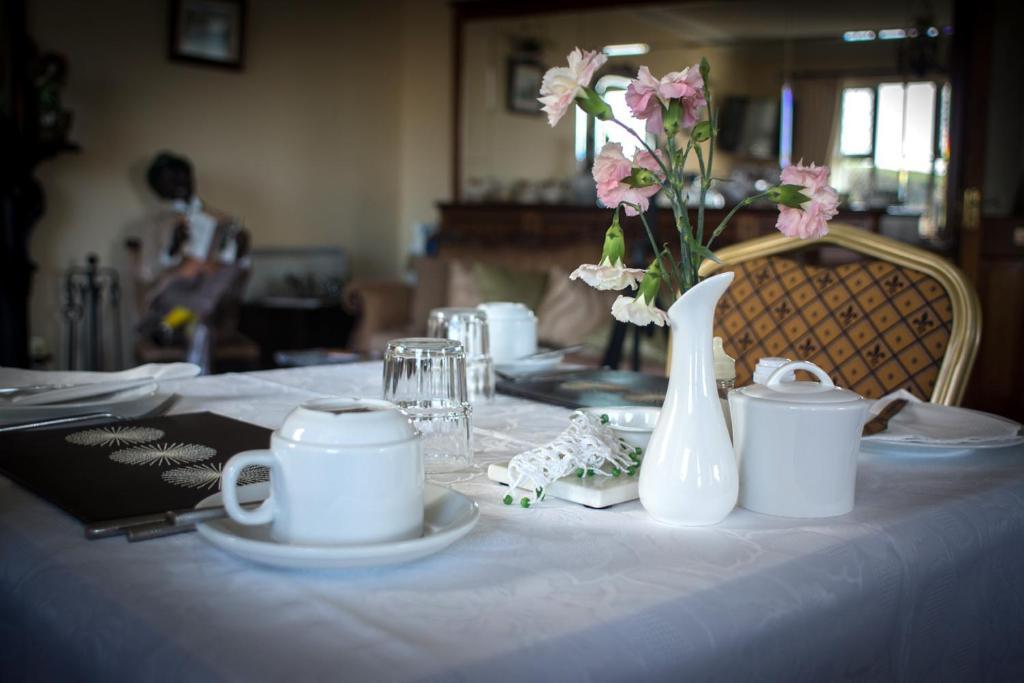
x=664, y=169
x=704, y=184
x=654, y=245
x=725, y=221
x=675, y=268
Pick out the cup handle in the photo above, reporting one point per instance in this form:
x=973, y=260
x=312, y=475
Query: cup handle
x=229, y=481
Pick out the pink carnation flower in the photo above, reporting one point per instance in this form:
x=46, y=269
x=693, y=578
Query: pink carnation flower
x=809, y=221
x=647, y=95
x=611, y=167
x=562, y=84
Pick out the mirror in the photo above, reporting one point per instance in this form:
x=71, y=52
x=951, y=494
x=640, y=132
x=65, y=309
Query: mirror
x=862, y=87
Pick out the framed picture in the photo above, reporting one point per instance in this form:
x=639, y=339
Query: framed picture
x=208, y=32
x=524, y=77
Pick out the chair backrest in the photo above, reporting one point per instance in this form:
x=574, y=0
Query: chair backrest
x=898, y=317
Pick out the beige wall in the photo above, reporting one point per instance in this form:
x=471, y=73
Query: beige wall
x=336, y=132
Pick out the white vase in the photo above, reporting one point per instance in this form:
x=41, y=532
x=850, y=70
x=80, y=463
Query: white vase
x=689, y=475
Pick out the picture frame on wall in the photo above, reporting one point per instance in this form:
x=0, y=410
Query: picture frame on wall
x=210, y=32
x=524, y=78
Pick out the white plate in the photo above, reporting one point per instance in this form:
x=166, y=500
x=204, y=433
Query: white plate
x=119, y=403
x=447, y=517
x=925, y=449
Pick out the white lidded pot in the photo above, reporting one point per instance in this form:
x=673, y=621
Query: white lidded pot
x=797, y=444
x=513, y=330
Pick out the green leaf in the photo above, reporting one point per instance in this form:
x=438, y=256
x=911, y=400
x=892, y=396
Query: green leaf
x=705, y=253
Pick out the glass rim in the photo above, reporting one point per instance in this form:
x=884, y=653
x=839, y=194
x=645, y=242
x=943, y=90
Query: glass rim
x=458, y=312
x=416, y=346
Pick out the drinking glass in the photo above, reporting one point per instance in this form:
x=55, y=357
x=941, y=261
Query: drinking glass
x=426, y=378
x=469, y=326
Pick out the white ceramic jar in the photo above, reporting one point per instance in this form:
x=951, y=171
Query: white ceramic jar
x=513, y=330
x=797, y=444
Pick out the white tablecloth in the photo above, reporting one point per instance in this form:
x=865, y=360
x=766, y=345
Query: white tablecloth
x=924, y=580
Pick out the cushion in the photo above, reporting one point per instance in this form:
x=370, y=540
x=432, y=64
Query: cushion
x=431, y=290
x=498, y=283
x=463, y=290
x=572, y=311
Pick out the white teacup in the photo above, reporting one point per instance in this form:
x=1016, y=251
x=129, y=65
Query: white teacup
x=513, y=330
x=344, y=471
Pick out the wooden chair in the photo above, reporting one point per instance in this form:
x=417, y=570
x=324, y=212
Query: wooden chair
x=896, y=317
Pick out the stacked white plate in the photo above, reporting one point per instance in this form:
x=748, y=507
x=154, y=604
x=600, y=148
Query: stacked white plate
x=928, y=428
x=127, y=393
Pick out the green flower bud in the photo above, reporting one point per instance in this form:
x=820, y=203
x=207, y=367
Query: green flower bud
x=705, y=72
x=701, y=132
x=789, y=195
x=592, y=103
x=614, y=251
x=670, y=117
x=651, y=283
x=641, y=177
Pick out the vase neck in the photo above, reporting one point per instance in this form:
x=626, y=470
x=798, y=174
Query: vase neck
x=696, y=306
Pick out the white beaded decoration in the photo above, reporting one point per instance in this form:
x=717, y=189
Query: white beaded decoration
x=587, y=445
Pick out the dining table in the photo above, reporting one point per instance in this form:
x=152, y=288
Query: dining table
x=923, y=580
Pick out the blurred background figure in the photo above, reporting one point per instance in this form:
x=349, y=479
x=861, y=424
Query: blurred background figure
x=191, y=267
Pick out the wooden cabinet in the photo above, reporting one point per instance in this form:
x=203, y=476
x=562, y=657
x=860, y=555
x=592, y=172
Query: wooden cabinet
x=557, y=225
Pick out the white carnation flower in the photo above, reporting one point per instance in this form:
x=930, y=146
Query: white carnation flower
x=636, y=310
x=607, y=276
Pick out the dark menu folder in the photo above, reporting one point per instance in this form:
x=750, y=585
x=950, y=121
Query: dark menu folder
x=589, y=388
x=130, y=468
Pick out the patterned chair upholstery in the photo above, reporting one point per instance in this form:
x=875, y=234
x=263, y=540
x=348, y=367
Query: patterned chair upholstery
x=897, y=318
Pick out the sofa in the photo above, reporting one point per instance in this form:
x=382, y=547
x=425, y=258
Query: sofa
x=568, y=312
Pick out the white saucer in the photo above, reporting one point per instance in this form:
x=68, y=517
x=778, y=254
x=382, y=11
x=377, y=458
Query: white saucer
x=447, y=517
x=632, y=424
x=523, y=368
x=120, y=403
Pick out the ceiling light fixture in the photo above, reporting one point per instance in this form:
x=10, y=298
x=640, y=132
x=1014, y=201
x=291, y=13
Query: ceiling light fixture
x=626, y=49
x=892, y=34
x=858, y=36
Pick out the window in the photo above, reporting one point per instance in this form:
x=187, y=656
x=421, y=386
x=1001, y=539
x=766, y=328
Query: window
x=613, y=90
x=857, y=128
x=893, y=144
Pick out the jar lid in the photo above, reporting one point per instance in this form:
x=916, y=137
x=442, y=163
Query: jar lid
x=820, y=392
x=506, y=310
